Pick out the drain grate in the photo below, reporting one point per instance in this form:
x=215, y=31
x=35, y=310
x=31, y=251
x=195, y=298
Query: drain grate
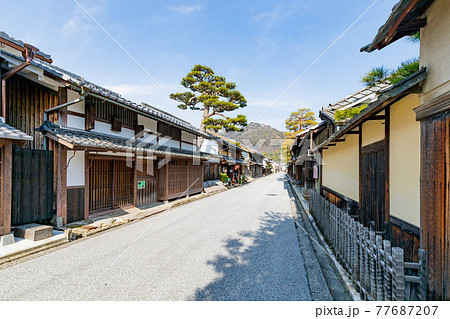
x=271, y=194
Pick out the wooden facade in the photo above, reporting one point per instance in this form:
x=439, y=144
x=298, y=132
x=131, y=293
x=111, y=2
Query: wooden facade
x=434, y=200
x=26, y=102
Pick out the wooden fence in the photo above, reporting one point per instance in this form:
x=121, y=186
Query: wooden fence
x=379, y=270
x=32, y=186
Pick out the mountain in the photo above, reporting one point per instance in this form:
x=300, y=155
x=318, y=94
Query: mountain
x=261, y=137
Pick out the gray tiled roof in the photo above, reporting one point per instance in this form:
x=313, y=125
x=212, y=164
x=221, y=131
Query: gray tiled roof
x=21, y=44
x=109, y=142
x=9, y=132
x=79, y=81
x=365, y=95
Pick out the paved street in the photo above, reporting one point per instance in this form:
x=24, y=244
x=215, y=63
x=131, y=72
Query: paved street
x=236, y=245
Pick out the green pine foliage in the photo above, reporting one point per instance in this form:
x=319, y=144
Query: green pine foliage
x=376, y=75
x=214, y=96
x=405, y=69
x=349, y=113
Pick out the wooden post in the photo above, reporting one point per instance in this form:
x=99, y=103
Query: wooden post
x=61, y=188
x=372, y=254
x=423, y=275
x=386, y=198
x=398, y=293
x=202, y=164
x=366, y=258
x=62, y=98
x=188, y=176
x=361, y=217
x=387, y=273
x=379, y=271
x=361, y=254
x=166, y=182
x=87, y=165
x=135, y=163
x=6, y=187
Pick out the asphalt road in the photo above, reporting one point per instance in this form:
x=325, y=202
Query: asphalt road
x=237, y=245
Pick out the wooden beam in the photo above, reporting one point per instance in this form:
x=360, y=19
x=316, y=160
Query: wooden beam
x=377, y=118
x=386, y=199
x=60, y=141
x=6, y=187
x=360, y=171
x=135, y=177
x=166, y=182
x=87, y=165
x=447, y=212
x=61, y=183
x=412, y=25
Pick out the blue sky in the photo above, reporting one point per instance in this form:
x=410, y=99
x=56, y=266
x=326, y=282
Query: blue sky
x=263, y=46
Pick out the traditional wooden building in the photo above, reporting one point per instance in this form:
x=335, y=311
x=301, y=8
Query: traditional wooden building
x=305, y=164
x=230, y=154
x=253, y=162
x=371, y=167
x=94, y=149
x=432, y=19
x=9, y=136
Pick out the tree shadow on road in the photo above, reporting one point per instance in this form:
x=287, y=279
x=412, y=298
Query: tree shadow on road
x=261, y=265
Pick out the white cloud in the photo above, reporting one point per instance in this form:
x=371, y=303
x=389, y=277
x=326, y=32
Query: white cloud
x=185, y=9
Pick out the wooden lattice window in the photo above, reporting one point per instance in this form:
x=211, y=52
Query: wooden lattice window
x=171, y=131
x=106, y=111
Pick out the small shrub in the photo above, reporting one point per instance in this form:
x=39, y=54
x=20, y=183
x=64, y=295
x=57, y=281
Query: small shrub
x=223, y=177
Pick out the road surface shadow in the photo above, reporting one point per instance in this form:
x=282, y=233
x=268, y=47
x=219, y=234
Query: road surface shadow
x=261, y=265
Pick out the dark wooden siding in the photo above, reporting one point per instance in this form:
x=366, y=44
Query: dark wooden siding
x=32, y=186
x=110, y=184
x=406, y=236
x=434, y=201
x=75, y=207
x=25, y=105
x=106, y=111
x=146, y=172
x=100, y=185
x=211, y=172
x=182, y=178
x=171, y=131
x=341, y=201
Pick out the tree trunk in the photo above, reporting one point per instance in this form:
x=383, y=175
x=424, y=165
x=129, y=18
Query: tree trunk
x=202, y=127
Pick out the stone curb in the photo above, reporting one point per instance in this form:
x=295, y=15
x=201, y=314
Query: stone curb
x=30, y=251
x=348, y=282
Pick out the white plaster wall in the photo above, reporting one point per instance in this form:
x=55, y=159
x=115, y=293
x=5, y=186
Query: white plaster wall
x=75, y=170
x=188, y=147
x=101, y=127
x=341, y=167
x=163, y=141
x=75, y=122
x=434, y=50
x=77, y=107
x=404, y=160
x=188, y=137
x=148, y=123
x=372, y=131
x=210, y=146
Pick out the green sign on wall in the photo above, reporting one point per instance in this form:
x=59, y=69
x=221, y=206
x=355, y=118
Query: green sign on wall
x=141, y=185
